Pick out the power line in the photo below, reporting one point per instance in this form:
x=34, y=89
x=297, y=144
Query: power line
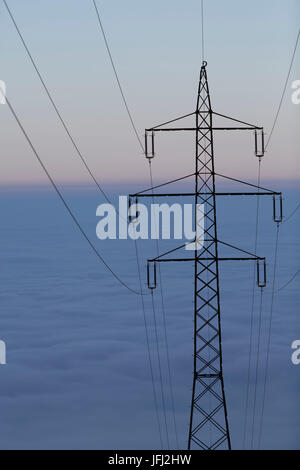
x=288, y=282
x=58, y=113
x=257, y=365
x=291, y=214
x=84, y=162
x=202, y=27
x=142, y=147
x=160, y=370
x=268, y=142
x=117, y=77
x=298, y=270
x=268, y=340
x=168, y=358
x=284, y=90
x=275, y=259
x=165, y=325
x=271, y=133
x=153, y=305
x=148, y=348
x=69, y=210
x=116, y=276
x=252, y=311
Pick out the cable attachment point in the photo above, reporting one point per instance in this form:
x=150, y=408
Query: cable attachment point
x=259, y=136
x=149, y=152
x=261, y=272
x=151, y=274
x=277, y=208
x=132, y=210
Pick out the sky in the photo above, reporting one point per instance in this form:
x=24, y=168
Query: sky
x=74, y=337
x=157, y=51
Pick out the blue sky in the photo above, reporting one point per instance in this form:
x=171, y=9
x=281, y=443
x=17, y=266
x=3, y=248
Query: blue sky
x=157, y=50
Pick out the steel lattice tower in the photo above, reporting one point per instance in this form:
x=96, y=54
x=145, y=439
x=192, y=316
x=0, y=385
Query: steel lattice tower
x=208, y=407
x=208, y=427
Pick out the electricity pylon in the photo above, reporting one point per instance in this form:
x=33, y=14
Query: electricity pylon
x=209, y=428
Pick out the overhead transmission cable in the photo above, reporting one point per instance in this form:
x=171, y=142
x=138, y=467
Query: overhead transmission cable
x=298, y=270
x=266, y=369
x=257, y=366
x=202, y=27
x=288, y=282
x=284, y=90
x=74, y=218
x=160, y=370
x=148, y=350
x=63, y=122
x=279, y=107
x=252, y=314
x=67, y=207
x=165, y=325
x=273, y=290
x=117, y=77
x=291, y=214
x=57, y=111
x=153, y=305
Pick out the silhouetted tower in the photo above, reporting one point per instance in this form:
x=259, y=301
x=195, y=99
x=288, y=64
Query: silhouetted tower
x=208, y=408
x=208, y=427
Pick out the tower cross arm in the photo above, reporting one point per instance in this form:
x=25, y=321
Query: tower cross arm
x=140, y=193
x=269, y=191
x=249, y=257
x=249, y=126
x=157, y=127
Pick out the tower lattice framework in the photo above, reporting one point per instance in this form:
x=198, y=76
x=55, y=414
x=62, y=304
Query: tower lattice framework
x=208, y=426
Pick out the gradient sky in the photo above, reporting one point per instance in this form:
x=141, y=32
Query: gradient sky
x=157, y=50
